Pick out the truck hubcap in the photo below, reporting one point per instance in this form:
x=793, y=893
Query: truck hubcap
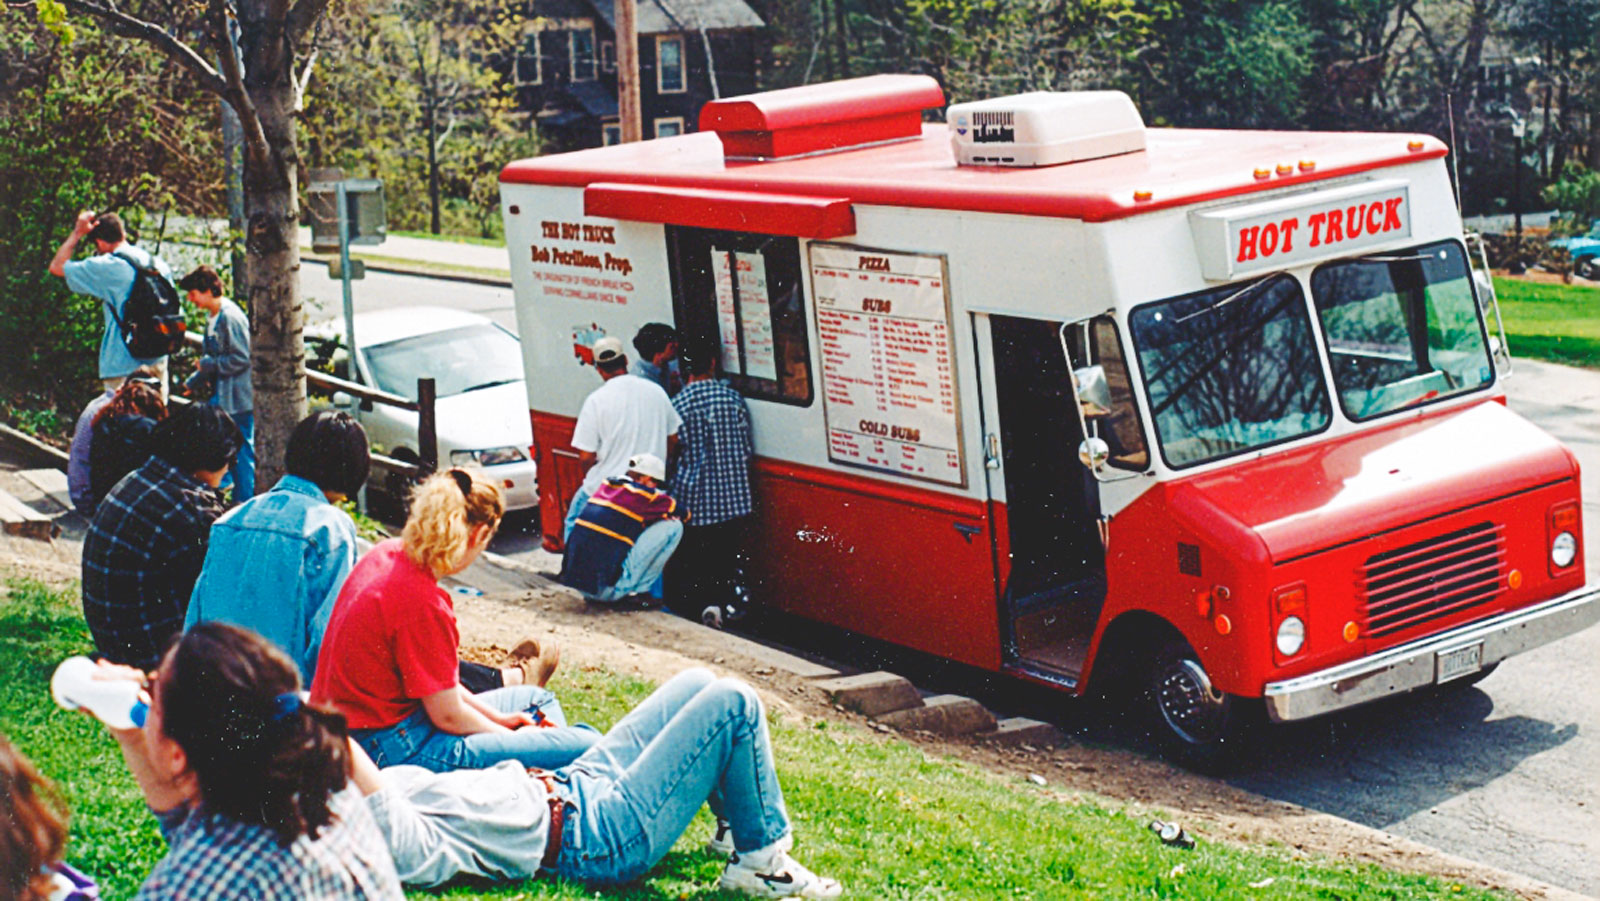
x=1191, y=707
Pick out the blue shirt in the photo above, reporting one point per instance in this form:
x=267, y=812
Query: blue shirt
x=78, y=459
x=665, y=376
x=224, y=364
x=213, y=856
x=110, y=278
x=712, y=474
x=275, y=564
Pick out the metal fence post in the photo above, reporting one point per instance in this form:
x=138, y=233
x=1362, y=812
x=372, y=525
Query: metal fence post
x=427, y=427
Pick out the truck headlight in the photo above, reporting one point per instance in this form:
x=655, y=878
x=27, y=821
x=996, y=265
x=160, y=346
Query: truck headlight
x=1563, y=550
x=1291, y=636
x=494, y=456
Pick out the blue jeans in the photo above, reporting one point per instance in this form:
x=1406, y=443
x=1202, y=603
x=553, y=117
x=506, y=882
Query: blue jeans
x=242, y=474
x=415, y=739
x=697, y=739
x=641, y=570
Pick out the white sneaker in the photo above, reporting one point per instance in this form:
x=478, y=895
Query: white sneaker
x=721, y=842
x=771, y=873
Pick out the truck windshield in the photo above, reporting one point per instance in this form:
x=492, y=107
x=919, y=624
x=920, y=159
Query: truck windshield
x=1402, y=328
x=1230, y=370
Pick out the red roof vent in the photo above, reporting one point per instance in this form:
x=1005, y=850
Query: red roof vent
x=821, y=117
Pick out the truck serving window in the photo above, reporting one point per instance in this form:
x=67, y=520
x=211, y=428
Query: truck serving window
x=1230, y=370
x=744, y=291
x=1402, y=328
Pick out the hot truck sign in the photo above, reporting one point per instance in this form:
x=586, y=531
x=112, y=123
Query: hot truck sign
x=1276, y=234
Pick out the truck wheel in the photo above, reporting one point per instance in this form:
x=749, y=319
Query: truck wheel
x=1197, y=725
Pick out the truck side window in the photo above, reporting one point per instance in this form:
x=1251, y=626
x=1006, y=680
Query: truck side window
x=1096, y=343
x=745, y=292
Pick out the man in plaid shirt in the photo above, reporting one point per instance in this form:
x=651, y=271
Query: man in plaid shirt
x=712, y=480
x=148, y=539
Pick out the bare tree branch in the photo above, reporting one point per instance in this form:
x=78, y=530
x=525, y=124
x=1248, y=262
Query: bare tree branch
x=301, y=83
x=128, y=26
x=255, y=140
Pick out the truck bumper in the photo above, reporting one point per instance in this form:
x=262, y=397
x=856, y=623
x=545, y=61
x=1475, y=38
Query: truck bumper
x=1432, y=660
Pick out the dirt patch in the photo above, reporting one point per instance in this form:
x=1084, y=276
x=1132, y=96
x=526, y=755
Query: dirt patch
x=656, y=645
x=1541, y=277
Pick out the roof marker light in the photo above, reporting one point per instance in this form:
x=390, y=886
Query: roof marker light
x=1285, y=169
x=1142, y=196
x=1307, y=165
x=1263, y=172
x=1414, y=146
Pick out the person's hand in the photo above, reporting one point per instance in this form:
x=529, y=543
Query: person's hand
x=84, y=224
x=515, y=721
x=106, y=671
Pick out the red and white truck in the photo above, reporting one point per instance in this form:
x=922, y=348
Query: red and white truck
x=1053, y=394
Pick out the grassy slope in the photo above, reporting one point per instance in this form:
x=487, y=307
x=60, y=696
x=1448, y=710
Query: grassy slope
x=1560, y=323
x=883, y=816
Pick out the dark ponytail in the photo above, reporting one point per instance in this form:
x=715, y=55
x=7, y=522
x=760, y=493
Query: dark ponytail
x=231, y=701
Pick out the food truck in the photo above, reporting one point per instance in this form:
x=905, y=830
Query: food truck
x=1218, y=415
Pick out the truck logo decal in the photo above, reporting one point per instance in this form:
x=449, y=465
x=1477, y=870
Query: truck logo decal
x=1272, y=235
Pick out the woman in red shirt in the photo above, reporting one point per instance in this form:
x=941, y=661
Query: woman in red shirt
x=388, y=658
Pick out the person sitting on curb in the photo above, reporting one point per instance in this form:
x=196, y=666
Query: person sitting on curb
x=119, y=436
x=624, y=536
x=78, y=476
x=614, y=812
x=388, y=658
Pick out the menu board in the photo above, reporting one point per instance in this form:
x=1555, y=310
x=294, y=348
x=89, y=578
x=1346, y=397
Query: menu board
x=888, y=371
x=744, y=314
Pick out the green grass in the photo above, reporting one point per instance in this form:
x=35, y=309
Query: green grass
x=1559, y=323
x=452, y=239
x=883, y=816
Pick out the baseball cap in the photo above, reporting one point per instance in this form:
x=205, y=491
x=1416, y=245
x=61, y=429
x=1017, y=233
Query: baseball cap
x=647, y=465
x=608, y=349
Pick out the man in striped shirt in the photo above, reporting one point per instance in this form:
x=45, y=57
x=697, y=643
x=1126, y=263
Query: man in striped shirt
x=624, y=536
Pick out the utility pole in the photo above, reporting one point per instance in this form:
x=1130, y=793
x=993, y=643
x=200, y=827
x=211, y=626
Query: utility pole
x=628, y=72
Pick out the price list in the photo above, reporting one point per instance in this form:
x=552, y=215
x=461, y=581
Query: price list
x=888, y=376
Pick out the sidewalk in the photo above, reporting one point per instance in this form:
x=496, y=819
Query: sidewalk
x=424, y=251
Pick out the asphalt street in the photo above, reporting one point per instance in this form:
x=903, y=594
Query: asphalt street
x=1503, y=772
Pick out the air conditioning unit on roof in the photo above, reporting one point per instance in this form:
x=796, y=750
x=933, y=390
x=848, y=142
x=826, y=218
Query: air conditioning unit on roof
x=1045, y=128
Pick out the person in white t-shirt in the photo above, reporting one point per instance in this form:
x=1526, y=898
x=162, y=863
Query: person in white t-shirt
x=627, y=415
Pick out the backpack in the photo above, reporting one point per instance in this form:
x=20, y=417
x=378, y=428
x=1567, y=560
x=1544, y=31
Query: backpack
x=152, y=322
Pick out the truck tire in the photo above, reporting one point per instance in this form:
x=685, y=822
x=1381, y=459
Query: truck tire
x=1196, y=725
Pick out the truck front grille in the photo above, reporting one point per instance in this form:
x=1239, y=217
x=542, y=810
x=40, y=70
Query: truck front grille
x=1432, y=579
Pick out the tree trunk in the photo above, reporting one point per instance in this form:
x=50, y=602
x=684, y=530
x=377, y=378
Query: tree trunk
x=430, y=128
x=272, y=250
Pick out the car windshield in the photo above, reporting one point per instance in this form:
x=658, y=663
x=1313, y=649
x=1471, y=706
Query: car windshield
x=1230, y=370
x=458, y=360
x=1403, y=328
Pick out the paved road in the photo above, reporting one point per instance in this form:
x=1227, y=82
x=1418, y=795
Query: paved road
x=1505, y=772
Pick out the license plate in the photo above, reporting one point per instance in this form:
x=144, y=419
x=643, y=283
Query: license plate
x=1459, y=662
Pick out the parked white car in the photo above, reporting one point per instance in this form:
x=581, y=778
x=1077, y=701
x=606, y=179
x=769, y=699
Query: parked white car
x=481, y=404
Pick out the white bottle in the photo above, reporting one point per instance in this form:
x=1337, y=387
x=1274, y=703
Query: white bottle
x=114, y=702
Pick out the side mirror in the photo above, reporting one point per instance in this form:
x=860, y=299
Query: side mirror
x=1094, y=453
x=1094, y=392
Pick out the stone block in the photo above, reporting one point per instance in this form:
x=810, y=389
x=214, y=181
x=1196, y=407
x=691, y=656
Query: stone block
x=943, y=715
x=1019, y=730
x=872, y=694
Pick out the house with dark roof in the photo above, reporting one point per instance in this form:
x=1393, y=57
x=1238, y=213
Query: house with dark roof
x=690, y=51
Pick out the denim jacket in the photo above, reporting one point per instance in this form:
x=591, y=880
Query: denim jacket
x=275, y=565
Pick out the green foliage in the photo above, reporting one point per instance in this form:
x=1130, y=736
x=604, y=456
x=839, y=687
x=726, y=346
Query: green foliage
x=1577, y=193
x=885, y=817
x=90, y=124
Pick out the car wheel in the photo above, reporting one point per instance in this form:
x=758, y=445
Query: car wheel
x=1588, y=267
x=1196, y=724
x=398, y=485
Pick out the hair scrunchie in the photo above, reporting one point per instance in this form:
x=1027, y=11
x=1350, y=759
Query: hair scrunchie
x=285, y=706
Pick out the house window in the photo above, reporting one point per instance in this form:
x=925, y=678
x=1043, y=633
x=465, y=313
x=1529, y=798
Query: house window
x=669, y=127
x=669, y=65
x=610, y=133
x=581, y=43
x=608, y=56
x=745, y=291
x=528, y=64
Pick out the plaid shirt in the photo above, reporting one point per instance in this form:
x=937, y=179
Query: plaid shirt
x=212, y=856
x=712, y=474
x=140, y=559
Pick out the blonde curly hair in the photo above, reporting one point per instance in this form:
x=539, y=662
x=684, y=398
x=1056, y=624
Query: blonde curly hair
x=445, y=509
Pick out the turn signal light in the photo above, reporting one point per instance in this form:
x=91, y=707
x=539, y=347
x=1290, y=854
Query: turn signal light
x=1290, y=599
x=1514, y=579
x=1351, y=631
x=1564, y=517
x=1223, y=624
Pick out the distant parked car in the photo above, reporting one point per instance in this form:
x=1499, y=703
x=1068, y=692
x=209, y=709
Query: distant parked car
x=476, y=365
x=1585, y=250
